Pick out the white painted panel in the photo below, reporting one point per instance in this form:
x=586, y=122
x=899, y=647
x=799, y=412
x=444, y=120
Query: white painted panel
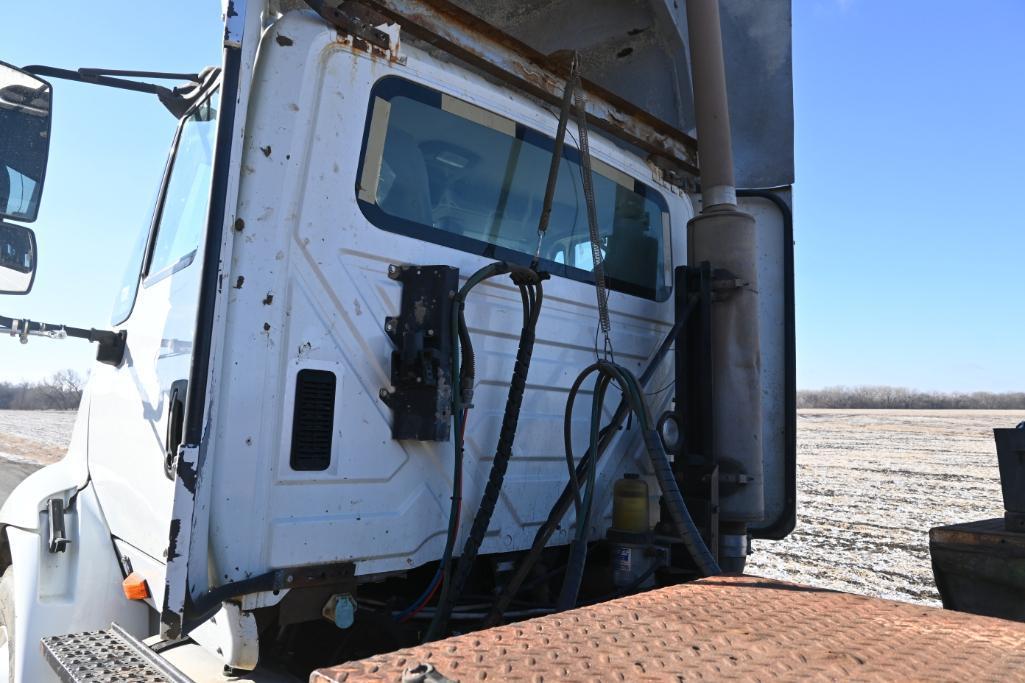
x=316, y=294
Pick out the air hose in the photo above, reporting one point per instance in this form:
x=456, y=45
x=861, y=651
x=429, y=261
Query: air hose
x=531, y=294
x=565, y=500
x=685, y=528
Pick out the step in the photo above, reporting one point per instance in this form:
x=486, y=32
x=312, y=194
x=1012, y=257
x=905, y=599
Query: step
x=111, y=655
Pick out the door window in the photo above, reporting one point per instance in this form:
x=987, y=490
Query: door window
x=183, y=212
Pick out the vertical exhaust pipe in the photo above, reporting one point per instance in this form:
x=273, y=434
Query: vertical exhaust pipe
x=725, y=237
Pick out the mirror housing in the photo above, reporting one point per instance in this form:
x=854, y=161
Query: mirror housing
x=18, y=258
x=25, y=115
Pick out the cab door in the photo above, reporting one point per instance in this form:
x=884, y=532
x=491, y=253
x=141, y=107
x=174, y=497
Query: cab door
x=136, y=415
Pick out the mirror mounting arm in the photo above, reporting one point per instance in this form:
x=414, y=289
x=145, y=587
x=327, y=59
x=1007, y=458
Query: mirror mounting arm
x=177, y=100
x=111, y=345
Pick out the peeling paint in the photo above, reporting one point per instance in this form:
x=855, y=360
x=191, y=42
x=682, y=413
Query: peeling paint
x=188, y=475
x=266, y=150
x=238, y=283
x=172, y=545
x=268, y=300
x=284, y=41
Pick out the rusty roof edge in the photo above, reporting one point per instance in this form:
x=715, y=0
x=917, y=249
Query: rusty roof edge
x=480, y=44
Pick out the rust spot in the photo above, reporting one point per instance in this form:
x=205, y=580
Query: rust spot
x=268, y=300
x=625, y=52
x=239, y=281
x=240, y=225
x=293, y=106
x=265, y=150
x=266, y=327
x=284, y=41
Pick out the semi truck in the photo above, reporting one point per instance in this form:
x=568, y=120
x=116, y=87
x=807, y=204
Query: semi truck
x=449, y=315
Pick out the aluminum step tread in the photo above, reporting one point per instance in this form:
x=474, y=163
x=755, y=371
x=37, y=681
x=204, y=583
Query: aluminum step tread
x=111, y=655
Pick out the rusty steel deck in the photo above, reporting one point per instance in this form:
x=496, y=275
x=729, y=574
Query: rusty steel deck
x=724, y=627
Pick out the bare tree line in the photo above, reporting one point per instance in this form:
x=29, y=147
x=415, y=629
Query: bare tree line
x=62, y=391
x=899, y=397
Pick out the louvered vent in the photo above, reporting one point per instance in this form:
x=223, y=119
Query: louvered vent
x=314, y=420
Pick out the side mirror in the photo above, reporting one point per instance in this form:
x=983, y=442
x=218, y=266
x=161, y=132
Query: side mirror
x=24, y=142
x=17, y=259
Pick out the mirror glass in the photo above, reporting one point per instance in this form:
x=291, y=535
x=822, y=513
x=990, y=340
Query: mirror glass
x=17, y=259
x=24, y=142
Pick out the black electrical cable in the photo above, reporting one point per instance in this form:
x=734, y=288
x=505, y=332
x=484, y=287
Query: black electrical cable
x=531, y=295
x=458, y=418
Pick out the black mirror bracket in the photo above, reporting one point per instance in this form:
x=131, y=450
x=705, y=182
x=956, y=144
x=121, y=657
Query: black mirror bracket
x=111, y=349
x=111, y=345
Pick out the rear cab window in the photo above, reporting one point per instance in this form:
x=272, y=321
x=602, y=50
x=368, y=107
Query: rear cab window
x=440, y=169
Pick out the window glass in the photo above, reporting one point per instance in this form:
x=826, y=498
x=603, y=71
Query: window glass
x=185, y=156
x=130, y=284
x=443, y=170
x=183, y=214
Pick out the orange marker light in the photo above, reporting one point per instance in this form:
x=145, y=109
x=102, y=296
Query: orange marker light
x=135, y=587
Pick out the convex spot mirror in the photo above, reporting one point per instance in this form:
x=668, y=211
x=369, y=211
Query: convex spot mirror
x=24, y=142
x=17, y=259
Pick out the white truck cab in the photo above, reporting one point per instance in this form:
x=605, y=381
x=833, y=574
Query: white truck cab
x=262, y=476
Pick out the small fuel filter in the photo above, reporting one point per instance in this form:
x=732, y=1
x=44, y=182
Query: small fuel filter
x=630, y=511
x=635, y=556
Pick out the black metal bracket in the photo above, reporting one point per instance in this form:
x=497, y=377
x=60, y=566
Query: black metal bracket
x=421, y=393
x=175, y=424
x=694, y=460
x=58, y=539
x=356, y=19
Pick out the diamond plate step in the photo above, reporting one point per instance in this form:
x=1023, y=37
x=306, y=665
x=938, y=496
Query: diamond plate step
x=112, y=655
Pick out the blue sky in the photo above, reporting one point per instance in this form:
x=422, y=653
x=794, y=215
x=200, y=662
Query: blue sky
x=910, y=140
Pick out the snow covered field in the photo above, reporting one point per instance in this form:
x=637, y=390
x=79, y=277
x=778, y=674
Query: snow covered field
x=870, y=485
x=37, y=435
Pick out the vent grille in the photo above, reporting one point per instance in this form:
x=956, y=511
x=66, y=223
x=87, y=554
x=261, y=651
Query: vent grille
x=313, y=423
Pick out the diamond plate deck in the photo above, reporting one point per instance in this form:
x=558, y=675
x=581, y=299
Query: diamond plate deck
x=724, y=627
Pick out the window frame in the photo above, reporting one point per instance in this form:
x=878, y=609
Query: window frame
x=143, y=278
x=389, y=87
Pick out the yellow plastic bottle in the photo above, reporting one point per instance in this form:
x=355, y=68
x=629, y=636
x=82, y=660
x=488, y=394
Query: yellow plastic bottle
x=630, y=504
